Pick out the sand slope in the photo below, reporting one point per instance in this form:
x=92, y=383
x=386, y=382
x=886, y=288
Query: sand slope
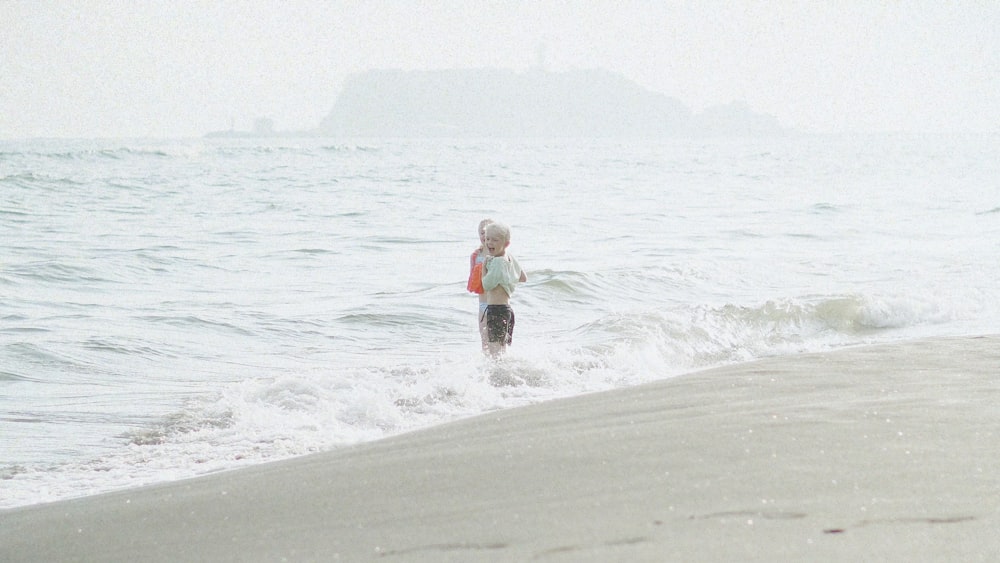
x=888, y=453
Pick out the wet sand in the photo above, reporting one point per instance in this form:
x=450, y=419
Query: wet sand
x=886, y=453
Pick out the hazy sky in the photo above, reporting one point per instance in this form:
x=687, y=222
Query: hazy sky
x=181, y=68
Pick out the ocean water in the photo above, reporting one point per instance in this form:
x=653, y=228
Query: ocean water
x=173, y=308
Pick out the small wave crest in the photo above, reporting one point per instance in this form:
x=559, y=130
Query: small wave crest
x=703, y=336
x=53, y=271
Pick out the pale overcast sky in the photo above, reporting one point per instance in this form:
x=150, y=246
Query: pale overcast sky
x=181, y=68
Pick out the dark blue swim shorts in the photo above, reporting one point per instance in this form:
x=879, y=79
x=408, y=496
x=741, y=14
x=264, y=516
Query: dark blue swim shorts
x=500, y=323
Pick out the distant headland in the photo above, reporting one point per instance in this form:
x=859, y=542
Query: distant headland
x=486, y=103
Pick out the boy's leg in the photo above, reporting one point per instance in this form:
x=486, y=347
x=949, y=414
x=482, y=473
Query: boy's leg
x=510, y=326
x=483, y=334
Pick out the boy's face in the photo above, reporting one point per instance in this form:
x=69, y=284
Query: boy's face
x=482, y=234
x=495, y=244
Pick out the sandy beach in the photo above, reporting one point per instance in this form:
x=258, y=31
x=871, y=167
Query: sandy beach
x=886, y=453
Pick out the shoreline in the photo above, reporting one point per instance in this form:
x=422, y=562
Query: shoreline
x=885, y=452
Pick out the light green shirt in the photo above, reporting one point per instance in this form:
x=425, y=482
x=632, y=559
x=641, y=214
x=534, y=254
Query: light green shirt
x=503, y=271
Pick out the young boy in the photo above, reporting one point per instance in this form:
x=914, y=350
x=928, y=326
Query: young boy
x=501, y=272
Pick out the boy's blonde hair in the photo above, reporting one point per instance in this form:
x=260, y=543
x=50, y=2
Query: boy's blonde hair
x=500, y=229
